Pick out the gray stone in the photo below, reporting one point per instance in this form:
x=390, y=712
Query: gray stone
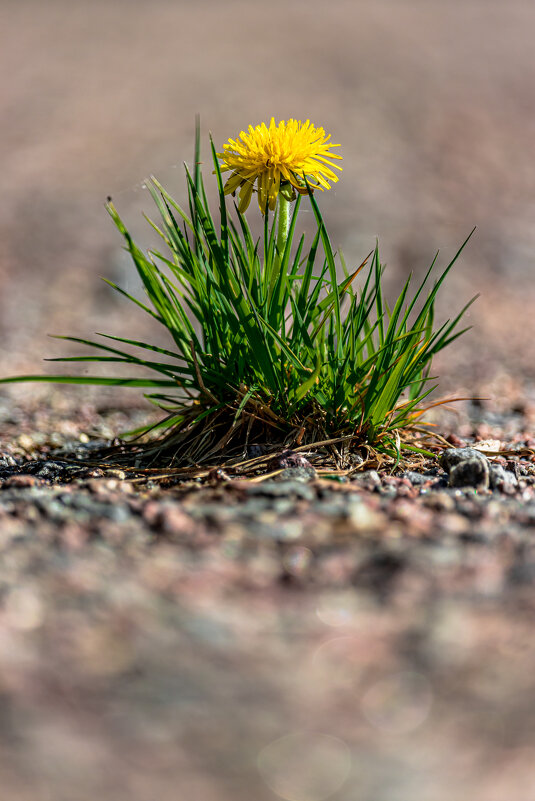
x=281, y=489
x=471, y=472
x=369, y=478
x=304, y=474
x=510, y=479
x=454, y=456
x=496, y=476
x=50, y=470
x=502, y=479
x=416, y=478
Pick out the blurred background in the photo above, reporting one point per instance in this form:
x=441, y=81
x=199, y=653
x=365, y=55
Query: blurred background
x=431, y=102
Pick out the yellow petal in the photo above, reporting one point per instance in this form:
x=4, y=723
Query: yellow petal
x=245, y=196
x=263, y=191
x=232, y=183
x=273, y=190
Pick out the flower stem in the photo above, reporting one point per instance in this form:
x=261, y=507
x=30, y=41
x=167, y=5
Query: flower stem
x=283, y=228
x=283, y=225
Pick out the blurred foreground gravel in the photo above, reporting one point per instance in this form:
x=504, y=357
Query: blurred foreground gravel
x=295, y=639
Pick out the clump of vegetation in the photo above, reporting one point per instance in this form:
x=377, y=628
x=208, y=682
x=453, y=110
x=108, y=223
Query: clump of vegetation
x=271, y=339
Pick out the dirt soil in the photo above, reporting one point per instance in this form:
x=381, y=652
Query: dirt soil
x=302, y=638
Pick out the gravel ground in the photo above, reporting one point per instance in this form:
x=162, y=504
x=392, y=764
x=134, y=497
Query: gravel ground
x=298, y=637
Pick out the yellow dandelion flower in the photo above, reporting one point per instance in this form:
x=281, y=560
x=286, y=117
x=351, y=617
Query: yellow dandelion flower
x=277, y=159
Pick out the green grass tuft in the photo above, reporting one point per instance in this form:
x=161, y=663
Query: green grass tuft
x=268, y=345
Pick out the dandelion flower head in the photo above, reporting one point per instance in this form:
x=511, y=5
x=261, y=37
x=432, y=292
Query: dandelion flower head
x=276, y=158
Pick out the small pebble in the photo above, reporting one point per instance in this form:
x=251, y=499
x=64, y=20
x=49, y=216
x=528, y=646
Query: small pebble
x=472, y=472
x=304, y=474
x=453, y=456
